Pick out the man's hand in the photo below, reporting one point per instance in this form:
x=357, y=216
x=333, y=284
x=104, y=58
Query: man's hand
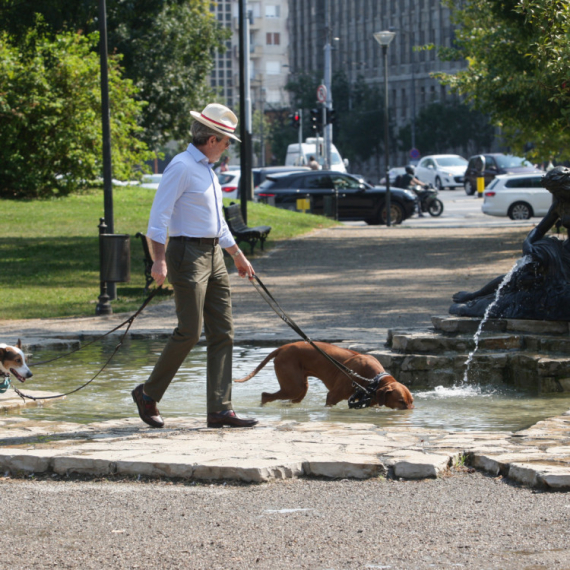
x=159, y=271
x=244, y=267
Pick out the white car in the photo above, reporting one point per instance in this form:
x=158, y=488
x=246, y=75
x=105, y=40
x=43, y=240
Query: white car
x=229, y=181
x=518, y=196
x=151, y=181
x=442, y=170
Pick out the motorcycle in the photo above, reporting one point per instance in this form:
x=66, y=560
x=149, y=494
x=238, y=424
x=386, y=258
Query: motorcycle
x=428, y=201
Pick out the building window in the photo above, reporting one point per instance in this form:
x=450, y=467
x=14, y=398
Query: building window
x=272, y=67
x=272, y=39
x=255, y=7
x=272, y=11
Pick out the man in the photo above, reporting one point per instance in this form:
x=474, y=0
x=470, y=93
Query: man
x=188, y=204
x=410, y=182
x=313, y=164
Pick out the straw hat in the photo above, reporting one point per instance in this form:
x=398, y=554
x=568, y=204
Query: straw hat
x=219, y=119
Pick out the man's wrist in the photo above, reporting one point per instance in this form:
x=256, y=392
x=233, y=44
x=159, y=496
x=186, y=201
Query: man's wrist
x=236, y=253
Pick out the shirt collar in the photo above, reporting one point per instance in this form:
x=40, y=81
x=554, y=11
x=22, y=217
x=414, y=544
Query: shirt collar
x=197, y=155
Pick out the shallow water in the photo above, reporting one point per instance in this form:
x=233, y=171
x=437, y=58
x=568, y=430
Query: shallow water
x=109, y=395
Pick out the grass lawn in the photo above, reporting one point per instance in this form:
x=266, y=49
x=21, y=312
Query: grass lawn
x=50, y=250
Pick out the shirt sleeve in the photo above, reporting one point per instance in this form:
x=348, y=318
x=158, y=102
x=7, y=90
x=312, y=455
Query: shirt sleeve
x=226, y=239
x=171, y=187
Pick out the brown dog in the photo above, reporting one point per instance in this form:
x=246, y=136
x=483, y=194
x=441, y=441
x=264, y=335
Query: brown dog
x=295, y=362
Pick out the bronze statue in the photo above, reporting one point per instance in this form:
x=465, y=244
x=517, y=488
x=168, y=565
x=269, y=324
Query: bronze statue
x=540, y=288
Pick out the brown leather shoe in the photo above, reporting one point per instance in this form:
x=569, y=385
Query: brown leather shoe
x=148, y=411
x=229, y=418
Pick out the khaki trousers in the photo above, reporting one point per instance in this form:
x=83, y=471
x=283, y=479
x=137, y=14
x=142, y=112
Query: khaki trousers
x=202, y=295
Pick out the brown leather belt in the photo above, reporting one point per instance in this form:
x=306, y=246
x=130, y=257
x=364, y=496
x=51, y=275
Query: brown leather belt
x=201, y=241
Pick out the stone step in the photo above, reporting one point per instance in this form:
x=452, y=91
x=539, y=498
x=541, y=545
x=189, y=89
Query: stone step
x=526, y=370
x=469, y=325
x=432, y=343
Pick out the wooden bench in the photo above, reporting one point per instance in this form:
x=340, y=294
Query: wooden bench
x=240, y=231
x=148, y=260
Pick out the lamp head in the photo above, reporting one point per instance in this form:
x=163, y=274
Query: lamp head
x=384, y=38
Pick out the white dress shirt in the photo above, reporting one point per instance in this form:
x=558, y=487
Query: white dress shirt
x=188, y=201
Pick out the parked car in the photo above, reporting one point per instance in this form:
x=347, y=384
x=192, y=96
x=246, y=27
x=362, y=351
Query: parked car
x=442, y=170
x=261, y=173
x=520, y=197
x=329, y=192
x=151, y=181
x=491, y=165
x=229, y=181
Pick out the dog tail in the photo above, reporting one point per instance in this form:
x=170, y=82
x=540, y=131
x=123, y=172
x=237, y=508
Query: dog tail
x=265, y=361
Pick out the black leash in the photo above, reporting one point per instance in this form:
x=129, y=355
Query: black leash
x=130, y=321
x=362, y=398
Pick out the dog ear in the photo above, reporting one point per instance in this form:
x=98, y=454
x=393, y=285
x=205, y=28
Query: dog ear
x=2, y=351
x=19, y=344
x=381, y=394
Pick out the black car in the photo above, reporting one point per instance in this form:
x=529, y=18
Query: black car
x=335, y=194
x=488, y=166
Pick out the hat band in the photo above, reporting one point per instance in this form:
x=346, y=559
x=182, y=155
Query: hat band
x=219, y=125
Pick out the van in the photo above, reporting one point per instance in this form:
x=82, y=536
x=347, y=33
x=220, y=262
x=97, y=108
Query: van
x=300, y=157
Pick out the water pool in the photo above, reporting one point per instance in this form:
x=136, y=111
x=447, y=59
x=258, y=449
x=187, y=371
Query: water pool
x=109, y=395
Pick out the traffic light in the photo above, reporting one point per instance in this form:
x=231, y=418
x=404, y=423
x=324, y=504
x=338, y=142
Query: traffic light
x=295, y=119
x=331, y=116
x=316, y=119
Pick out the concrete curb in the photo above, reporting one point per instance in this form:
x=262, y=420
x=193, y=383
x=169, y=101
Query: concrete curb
x=280, y=450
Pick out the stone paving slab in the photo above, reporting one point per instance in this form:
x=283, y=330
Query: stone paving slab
x=282, y=450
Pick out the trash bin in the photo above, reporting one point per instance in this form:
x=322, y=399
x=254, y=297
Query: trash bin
x=115, y=254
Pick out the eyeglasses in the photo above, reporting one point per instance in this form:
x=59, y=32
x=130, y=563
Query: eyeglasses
x=228, y=142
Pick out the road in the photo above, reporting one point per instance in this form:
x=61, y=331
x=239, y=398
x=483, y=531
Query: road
x=462, y=211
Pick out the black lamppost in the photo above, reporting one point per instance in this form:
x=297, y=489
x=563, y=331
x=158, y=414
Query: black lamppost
x=384, y=39
x=106, y=123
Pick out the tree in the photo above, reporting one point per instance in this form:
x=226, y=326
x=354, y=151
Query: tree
x=166, y=46
x=50, y=116
x=517, y=53
x=450, y=124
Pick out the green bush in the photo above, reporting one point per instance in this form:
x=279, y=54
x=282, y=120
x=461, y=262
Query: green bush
x=50, y=116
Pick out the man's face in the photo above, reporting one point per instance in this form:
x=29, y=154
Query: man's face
x=216, y=148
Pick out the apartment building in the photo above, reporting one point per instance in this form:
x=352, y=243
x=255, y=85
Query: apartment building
x=268, y=54
x=352, y=25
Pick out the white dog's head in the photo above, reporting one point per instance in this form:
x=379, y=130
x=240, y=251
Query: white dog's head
x=12, y=360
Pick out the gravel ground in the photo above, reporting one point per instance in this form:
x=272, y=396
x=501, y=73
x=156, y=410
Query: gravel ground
x=467, y=520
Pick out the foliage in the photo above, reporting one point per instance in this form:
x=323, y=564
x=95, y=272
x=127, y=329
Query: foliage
x=282, y=135
x=55, y=266
x=166, y=48
x=50, y=116
x=517, y=53
x=451, y=124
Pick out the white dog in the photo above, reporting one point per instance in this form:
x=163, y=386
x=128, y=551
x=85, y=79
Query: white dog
x=12, y=360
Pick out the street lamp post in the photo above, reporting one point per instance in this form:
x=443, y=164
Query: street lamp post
x=384, y=39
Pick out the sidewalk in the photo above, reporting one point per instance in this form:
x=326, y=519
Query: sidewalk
x=348, y=284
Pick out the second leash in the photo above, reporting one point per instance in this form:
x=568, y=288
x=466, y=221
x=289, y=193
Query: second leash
x=128, y=321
